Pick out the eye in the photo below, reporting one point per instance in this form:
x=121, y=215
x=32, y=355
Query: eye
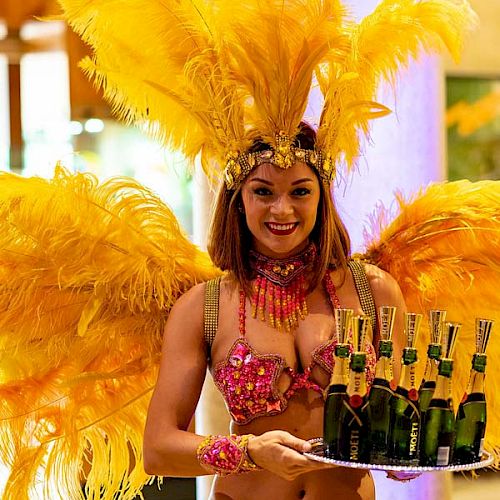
x=262, y=191
x=301, y=191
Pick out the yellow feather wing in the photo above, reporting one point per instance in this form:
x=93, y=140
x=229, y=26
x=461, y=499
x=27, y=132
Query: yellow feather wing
x=89, y=273
x=444, y=250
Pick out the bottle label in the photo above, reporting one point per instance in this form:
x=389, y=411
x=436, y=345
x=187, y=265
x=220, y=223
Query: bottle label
x=443, y=456
x=354, y=446
x=415, y=427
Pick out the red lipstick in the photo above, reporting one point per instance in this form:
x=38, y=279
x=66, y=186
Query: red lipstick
x=281, y=229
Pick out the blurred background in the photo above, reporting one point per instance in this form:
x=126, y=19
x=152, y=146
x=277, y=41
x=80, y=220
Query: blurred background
x=446, y=125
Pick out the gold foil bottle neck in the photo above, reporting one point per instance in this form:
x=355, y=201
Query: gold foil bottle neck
x=343, y=321
x=386, y=317
x=483, y=332
x=412, y=327
x=436, y=321
x=361, y=328
x=451, y=331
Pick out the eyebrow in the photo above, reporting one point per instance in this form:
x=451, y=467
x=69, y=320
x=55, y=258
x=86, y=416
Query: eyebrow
x=294, y=183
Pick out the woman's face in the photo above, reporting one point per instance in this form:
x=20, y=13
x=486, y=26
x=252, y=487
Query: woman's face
x=280, y=208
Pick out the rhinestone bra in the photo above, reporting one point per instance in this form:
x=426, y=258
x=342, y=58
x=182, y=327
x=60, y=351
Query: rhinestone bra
x=248, y=380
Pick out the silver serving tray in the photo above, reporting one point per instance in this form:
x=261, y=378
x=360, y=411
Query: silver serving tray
x=317, y=454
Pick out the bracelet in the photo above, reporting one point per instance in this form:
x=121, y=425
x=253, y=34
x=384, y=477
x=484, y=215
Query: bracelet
x=224, y=455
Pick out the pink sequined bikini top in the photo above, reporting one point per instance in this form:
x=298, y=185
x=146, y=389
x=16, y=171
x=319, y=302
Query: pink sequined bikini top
x=248, y=380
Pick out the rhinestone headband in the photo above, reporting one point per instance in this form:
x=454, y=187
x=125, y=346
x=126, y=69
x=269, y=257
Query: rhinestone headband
x=238, y=166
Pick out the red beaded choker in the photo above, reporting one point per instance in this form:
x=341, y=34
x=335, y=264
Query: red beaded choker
x=279, y=292
x=280, y=287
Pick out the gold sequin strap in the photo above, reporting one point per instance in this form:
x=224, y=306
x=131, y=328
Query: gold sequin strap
x=364, y=292
x=211, y=311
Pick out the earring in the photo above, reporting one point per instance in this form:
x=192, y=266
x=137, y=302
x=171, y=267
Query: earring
x=240, y=208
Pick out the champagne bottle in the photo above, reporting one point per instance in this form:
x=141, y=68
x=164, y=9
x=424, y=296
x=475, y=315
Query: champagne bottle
x=354, y=416
x=438, y=435
x=336, y=392
x=381, y=392
x=428, y=384
x=404, y=436
x=470, y=424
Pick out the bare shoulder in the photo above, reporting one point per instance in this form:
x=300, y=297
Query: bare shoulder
x=191, y=301
x=384, y=287
x=188, y=310
x=186, y=319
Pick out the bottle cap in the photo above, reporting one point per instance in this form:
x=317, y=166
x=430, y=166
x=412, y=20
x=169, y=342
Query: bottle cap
x=483, y=331
x=450, y=334
x=343, y=318
x=436, y=320
x=386, y=318
x=361, y=328
x=412, y=327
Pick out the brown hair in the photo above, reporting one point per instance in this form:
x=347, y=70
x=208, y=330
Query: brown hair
x=230, y=240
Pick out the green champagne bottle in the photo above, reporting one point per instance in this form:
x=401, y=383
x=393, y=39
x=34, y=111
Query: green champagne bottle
x=470, y=424
x=354, y=415
x=436, y=320
x=381, y=391
x=404, y=435
x=438, y=435
x=337, y=390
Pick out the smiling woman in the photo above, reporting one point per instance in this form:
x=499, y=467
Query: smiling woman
x=269, y=194
x=280, y=208
x=278, y=236
x=228, y=81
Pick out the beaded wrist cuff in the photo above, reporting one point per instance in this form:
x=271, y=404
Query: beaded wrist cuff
x=224, y=455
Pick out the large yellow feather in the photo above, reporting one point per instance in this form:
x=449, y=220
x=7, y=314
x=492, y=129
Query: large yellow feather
x=444, y=250
x=380, y=45
x=205, y=75
x=89, y=273
x=209, y=76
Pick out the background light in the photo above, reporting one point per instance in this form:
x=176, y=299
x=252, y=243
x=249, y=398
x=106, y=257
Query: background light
x=94, y=126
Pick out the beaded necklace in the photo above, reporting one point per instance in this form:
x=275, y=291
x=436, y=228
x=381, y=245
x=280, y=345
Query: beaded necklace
x=280, y=289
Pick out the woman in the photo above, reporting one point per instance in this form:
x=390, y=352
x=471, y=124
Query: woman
x=276, y=215
x=229, y=82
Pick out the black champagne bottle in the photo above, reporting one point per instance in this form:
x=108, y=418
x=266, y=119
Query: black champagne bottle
x=404, y=434
x=438, y=434
x=428, y=384
x=354, y=416
x=337, y=390
x=380, y=391
x=470, y=423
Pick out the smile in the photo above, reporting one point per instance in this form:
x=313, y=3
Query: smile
x=281, y=229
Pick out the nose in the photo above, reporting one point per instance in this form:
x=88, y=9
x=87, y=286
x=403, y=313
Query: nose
x=282, y=207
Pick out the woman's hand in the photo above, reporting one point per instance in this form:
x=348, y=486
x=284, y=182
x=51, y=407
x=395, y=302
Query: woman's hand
x=403, y=477
x=281, y=453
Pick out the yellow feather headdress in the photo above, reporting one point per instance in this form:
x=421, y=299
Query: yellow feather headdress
x=211, y=77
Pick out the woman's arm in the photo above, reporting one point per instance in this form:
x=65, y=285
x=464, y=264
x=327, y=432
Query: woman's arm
x=169, y=449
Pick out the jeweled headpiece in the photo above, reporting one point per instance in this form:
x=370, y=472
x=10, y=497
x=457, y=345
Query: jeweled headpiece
x=284, y=156
x=209, y=76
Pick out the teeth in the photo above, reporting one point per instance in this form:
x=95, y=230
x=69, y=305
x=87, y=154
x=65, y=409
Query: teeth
x=281, y=227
